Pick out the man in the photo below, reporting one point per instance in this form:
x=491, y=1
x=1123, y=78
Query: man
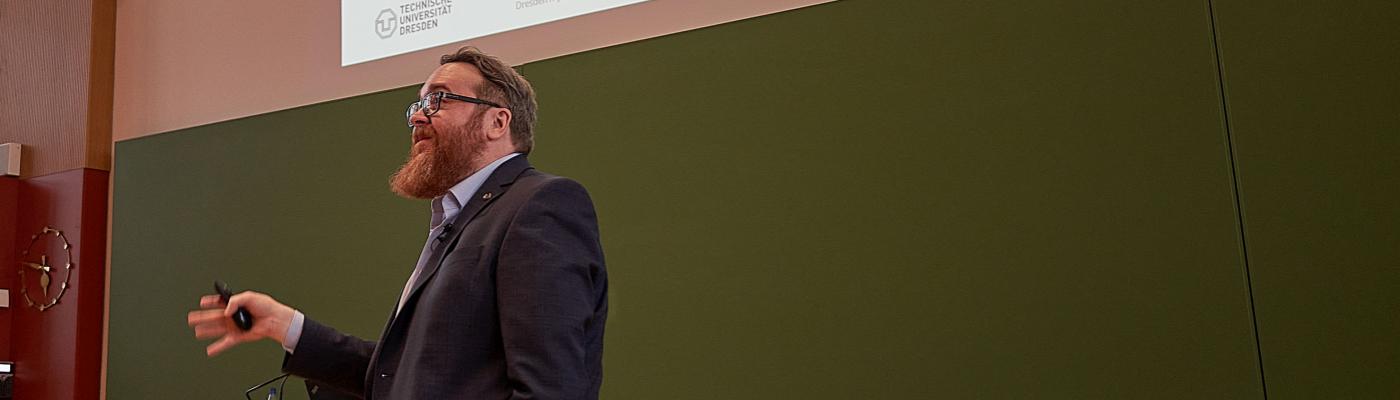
x=509, y=296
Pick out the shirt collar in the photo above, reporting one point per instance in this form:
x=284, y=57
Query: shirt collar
x=445, y=207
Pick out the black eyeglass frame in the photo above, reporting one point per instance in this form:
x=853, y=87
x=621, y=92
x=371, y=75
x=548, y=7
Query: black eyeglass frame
x=431, y=103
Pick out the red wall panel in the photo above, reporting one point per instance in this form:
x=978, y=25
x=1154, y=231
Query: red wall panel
x=58, y=352
x=9, y=212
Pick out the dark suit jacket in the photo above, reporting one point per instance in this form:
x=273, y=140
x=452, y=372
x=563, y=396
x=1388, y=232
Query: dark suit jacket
x=511, y=305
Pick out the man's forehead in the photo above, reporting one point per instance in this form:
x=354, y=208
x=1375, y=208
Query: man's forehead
x=451, y=77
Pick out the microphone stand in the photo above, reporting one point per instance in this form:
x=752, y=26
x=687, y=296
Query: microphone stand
x=275, y=393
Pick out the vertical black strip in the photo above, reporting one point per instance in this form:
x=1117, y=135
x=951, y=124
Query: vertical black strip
x=1235, y=178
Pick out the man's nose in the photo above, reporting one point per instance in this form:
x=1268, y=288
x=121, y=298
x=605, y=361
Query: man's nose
x=419, y=118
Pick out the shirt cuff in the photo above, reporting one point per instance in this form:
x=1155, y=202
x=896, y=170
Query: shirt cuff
x=289, y=342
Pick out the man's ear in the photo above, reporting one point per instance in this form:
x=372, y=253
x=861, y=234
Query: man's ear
x=499, y=126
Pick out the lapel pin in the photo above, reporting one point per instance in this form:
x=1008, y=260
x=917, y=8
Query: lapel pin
x=486, y=196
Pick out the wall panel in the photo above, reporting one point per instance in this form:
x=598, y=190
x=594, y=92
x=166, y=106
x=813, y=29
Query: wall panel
x=58, y=351
x=56, y=83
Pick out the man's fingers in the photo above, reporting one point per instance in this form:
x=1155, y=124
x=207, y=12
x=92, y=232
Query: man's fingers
x=205, y=316
x=220, y=345
x=214, y=321
x=206, y=331
x=210, y=301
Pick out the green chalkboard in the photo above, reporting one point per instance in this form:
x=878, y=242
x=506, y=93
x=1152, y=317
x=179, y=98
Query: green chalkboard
x=1315, y=112
x=859, y=199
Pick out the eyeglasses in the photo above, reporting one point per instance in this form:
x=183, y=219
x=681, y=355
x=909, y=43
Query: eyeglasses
x=431, y=103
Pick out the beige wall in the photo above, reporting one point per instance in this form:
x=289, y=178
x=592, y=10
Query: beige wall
x=187, y=63
x=56, y=83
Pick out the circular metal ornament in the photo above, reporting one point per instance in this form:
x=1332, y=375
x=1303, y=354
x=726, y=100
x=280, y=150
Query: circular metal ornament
x=44, y=269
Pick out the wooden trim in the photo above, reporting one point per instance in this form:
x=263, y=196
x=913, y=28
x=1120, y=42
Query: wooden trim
x=101, y=75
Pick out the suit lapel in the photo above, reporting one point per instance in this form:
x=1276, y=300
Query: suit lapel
x=492, y=189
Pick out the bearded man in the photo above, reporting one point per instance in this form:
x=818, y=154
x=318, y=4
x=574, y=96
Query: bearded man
x=509, y=295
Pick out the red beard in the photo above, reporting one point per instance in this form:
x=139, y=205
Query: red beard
x=436, y=164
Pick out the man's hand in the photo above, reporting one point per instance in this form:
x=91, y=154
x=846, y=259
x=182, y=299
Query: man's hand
x=214, y=319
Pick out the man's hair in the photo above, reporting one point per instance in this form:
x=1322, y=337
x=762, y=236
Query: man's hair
x=504, y=86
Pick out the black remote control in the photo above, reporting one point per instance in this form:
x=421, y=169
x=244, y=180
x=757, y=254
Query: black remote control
x=241, y=318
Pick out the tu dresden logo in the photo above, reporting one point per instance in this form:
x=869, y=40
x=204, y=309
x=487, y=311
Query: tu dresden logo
x=385, y=23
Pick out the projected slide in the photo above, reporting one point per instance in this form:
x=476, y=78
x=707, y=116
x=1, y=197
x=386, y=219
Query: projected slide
x=374, y=29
